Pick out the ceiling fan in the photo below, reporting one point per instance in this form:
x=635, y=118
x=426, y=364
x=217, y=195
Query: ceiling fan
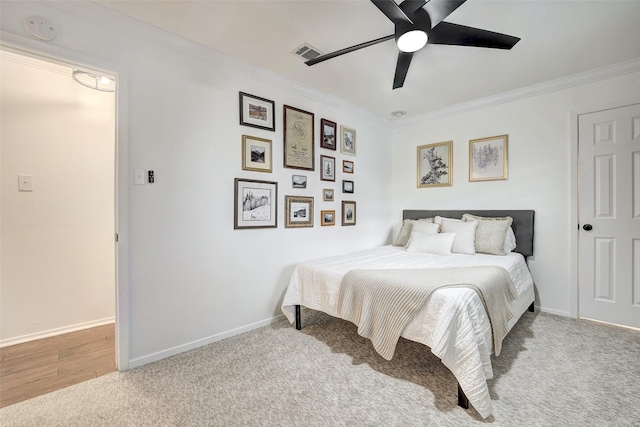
x=419, y=22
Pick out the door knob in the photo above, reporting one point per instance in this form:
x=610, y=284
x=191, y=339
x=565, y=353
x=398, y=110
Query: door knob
x=587, y=227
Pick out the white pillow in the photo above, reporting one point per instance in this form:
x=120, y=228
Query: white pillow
x=436, y=244
x=464, y=242
x=438, y=219
x=425, y=227
x=405, y=230
x=510, y=242
x=491, y=233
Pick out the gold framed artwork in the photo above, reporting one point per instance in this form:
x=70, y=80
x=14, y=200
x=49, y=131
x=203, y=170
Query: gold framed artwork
x=257, y=112
x=347, y=166
x=435, y=165
x=348, y=140
x=298, y=139
x=488, y=158
x=256, y=154
x=328, y=218
x=327, y=195
x=299, y=211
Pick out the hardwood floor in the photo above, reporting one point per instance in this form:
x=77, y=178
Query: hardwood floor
x=30, y=369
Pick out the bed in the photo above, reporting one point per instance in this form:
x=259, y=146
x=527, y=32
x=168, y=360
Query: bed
x=452, y=321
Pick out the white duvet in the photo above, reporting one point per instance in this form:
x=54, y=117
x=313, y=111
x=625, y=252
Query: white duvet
x=453, y=321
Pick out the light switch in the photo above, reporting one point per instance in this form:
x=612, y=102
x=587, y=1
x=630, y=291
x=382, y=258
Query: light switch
x=25, y=182
x=138, y=176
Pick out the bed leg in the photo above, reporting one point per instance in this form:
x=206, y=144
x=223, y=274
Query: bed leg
x=298, y=318
x=462, y=398
x=532, y=307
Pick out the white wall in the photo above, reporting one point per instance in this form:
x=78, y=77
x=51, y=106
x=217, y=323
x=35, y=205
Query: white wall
x=192, y=277
x=539, y=171
x=57, y=242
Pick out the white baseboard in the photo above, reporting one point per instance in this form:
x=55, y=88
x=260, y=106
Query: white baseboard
x=154, y=357
x=552, y=311
x=57, y=331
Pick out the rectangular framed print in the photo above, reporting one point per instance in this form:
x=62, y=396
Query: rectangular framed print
x=347, y=186
x=327, y=218
x=256, y=154
x=435, y=165
x=299, y=211
x=327, y=168
x=327, y=195
x=488, y=158
x=328, y=134
x=298, y=139
x=299, y=181
x=257, y=112
x=256, y=204
x=347, y=166
x=348, y=212
x=348, y=141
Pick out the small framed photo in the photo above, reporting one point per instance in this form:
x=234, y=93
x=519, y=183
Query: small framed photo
x=347, y=166
x=488, y=158
x=347, y=186
x=327, y=168
x=299, y=211
x=257, y=112
x=256, y=204
x=348, y=142
x=256, y=154
x=327, y=194
x=435, y=165
x=348, y=212
x=328, y=136
x=299, y=181
x=328, y=218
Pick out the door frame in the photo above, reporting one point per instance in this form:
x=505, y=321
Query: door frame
x=56, y=54
x=574, y=290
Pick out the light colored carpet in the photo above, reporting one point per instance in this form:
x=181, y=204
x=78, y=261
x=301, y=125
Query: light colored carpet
x=552, y=371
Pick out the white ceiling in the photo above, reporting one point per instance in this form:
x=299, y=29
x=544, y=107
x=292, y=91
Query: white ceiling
x=559, y=39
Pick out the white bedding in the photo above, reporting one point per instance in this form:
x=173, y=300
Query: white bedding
x=453, y=322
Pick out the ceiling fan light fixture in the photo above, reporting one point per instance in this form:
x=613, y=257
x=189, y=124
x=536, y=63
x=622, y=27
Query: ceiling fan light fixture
x=412, y=41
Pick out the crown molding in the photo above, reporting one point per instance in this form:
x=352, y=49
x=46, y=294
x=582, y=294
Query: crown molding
x=580, y=79
x=122, y=23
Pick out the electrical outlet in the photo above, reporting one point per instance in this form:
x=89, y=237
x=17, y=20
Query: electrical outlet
x=138, y=176
x=25, y=182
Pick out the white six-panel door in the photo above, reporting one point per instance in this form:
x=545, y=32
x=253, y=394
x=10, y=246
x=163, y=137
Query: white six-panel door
x=609, y=215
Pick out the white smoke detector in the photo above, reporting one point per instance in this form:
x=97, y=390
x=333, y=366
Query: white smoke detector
x=40, y=28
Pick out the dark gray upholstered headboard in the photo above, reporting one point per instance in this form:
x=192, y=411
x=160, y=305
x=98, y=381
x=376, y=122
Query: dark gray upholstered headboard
x=522, y=223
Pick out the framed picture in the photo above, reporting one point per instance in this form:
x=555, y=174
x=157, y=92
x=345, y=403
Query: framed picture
x=256, y=154
x=327, y=194
x=348, y=212
x=299, y=211
x=328, y=218
x=327, y=168
x=348, y=143
x=256, y=204
x=435, y=165
x=488, y=158
x=298, y=139
x=328, y=135
x=299, y=181
x=257, y=112
x=347, y=186
x=347, y=166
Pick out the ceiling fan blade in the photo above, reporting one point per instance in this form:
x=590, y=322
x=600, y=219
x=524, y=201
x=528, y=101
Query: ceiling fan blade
x=410, y=7
x=440, y=9
x=348, y=49
x=402, y=67
x=460, y=35
x=391, y=9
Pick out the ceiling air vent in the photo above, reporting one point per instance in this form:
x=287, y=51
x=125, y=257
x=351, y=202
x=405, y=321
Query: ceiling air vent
x=306, y=52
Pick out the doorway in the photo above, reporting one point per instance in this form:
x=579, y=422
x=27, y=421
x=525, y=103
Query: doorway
x=58, y=222
x=609, y=216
